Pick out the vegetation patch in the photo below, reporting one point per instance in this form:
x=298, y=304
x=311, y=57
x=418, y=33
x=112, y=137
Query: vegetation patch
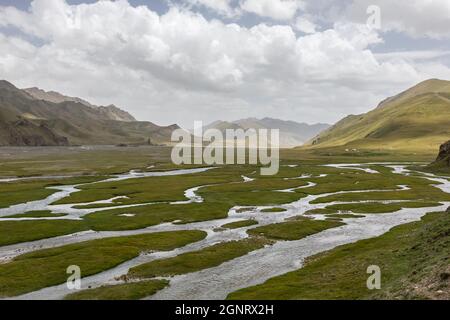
x=273, y=210
x=36, y=214
x=373, y=207
x=413, y=259
x=240, y=224
x=199, y=260
x=320, y=211
x=344, y=216
x=145, y=216
x=294, y=229
x=44, y=268
x=126, y=291
x=17, y=192
x=12, y=232
x=153, y=189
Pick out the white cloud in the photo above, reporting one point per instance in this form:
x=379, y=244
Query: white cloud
x=180, y=67
x=305, y=25
x=222, y=7
x=275, y=9
x=418, y=18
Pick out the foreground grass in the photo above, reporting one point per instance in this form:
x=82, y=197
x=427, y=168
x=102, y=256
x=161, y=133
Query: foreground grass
x=380, y=207
x=36, y=214
x=413, y=258
x=344, y=216
x=195, y=261
x=12, y=232
x=293, y=230
x=145, y=216
x=154, y=189
x=273, y=210
x=127, y=291
x=240, y=224
x=17, y=192
x=44, y=268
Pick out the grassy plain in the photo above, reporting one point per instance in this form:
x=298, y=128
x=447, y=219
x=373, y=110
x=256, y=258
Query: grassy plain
x=223, y=189
x=44, y=268
x=195, y=261
x=413, y=259
x=126, y=291
x=293, y=230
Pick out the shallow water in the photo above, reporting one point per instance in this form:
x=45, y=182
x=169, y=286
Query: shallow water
x=283, y=257
x=252, y=269
x=65, y=191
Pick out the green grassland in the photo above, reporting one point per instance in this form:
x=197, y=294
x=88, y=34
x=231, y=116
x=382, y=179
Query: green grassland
x=223, y=189
x=36, y=214
x=152, y=189
x=195, y=261
x=343, y=216
x=413, y=259
x=44, y=268
x=12, y=232
x=380, y=207
x=240, y=224
x=293, y=230
x=24, y=162
x=145, y=216
x=126, y=291
x=12, y=193
x=217, y=254
x=273, y=210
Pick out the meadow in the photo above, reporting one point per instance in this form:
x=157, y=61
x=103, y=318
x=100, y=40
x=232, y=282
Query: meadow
x=175, y=225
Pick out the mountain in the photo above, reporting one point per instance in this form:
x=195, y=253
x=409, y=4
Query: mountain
x=417, y=119
x=110, y=112
x=29, y=118
x=292, y=133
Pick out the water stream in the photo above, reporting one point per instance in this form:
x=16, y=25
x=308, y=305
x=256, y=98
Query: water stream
x=251, y=269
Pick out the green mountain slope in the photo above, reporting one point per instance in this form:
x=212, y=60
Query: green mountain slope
x=415, y=120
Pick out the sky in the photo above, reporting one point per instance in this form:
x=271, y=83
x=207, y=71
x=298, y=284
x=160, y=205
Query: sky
x=180, y=61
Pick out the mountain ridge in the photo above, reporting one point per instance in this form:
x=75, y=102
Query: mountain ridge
x=292, y=134
x=417, y=119
x=27, y=121
x=110, y=112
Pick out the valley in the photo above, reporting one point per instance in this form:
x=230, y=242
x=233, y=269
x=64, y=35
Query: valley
x=143, y=228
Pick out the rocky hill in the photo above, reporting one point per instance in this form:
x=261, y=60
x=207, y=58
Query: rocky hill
x=110, y=112
x=292, y=134
x=444, y=154
x=33, y=117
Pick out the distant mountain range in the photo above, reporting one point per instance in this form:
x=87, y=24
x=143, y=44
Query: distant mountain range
x=292, y=134
x=33, y=117
x=110, y=112
x=417, y=119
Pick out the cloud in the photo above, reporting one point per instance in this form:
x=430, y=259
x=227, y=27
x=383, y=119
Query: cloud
x=305, y=25
x=180, y=67
x=417, y=18
x=222, y=7
x=275, y=9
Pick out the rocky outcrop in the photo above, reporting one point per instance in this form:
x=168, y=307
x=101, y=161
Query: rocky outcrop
x=110, y=112
x=26, y=133
x=28, y=119
x=444, y=153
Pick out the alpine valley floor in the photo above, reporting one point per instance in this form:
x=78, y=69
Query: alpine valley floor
x=141, y=228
